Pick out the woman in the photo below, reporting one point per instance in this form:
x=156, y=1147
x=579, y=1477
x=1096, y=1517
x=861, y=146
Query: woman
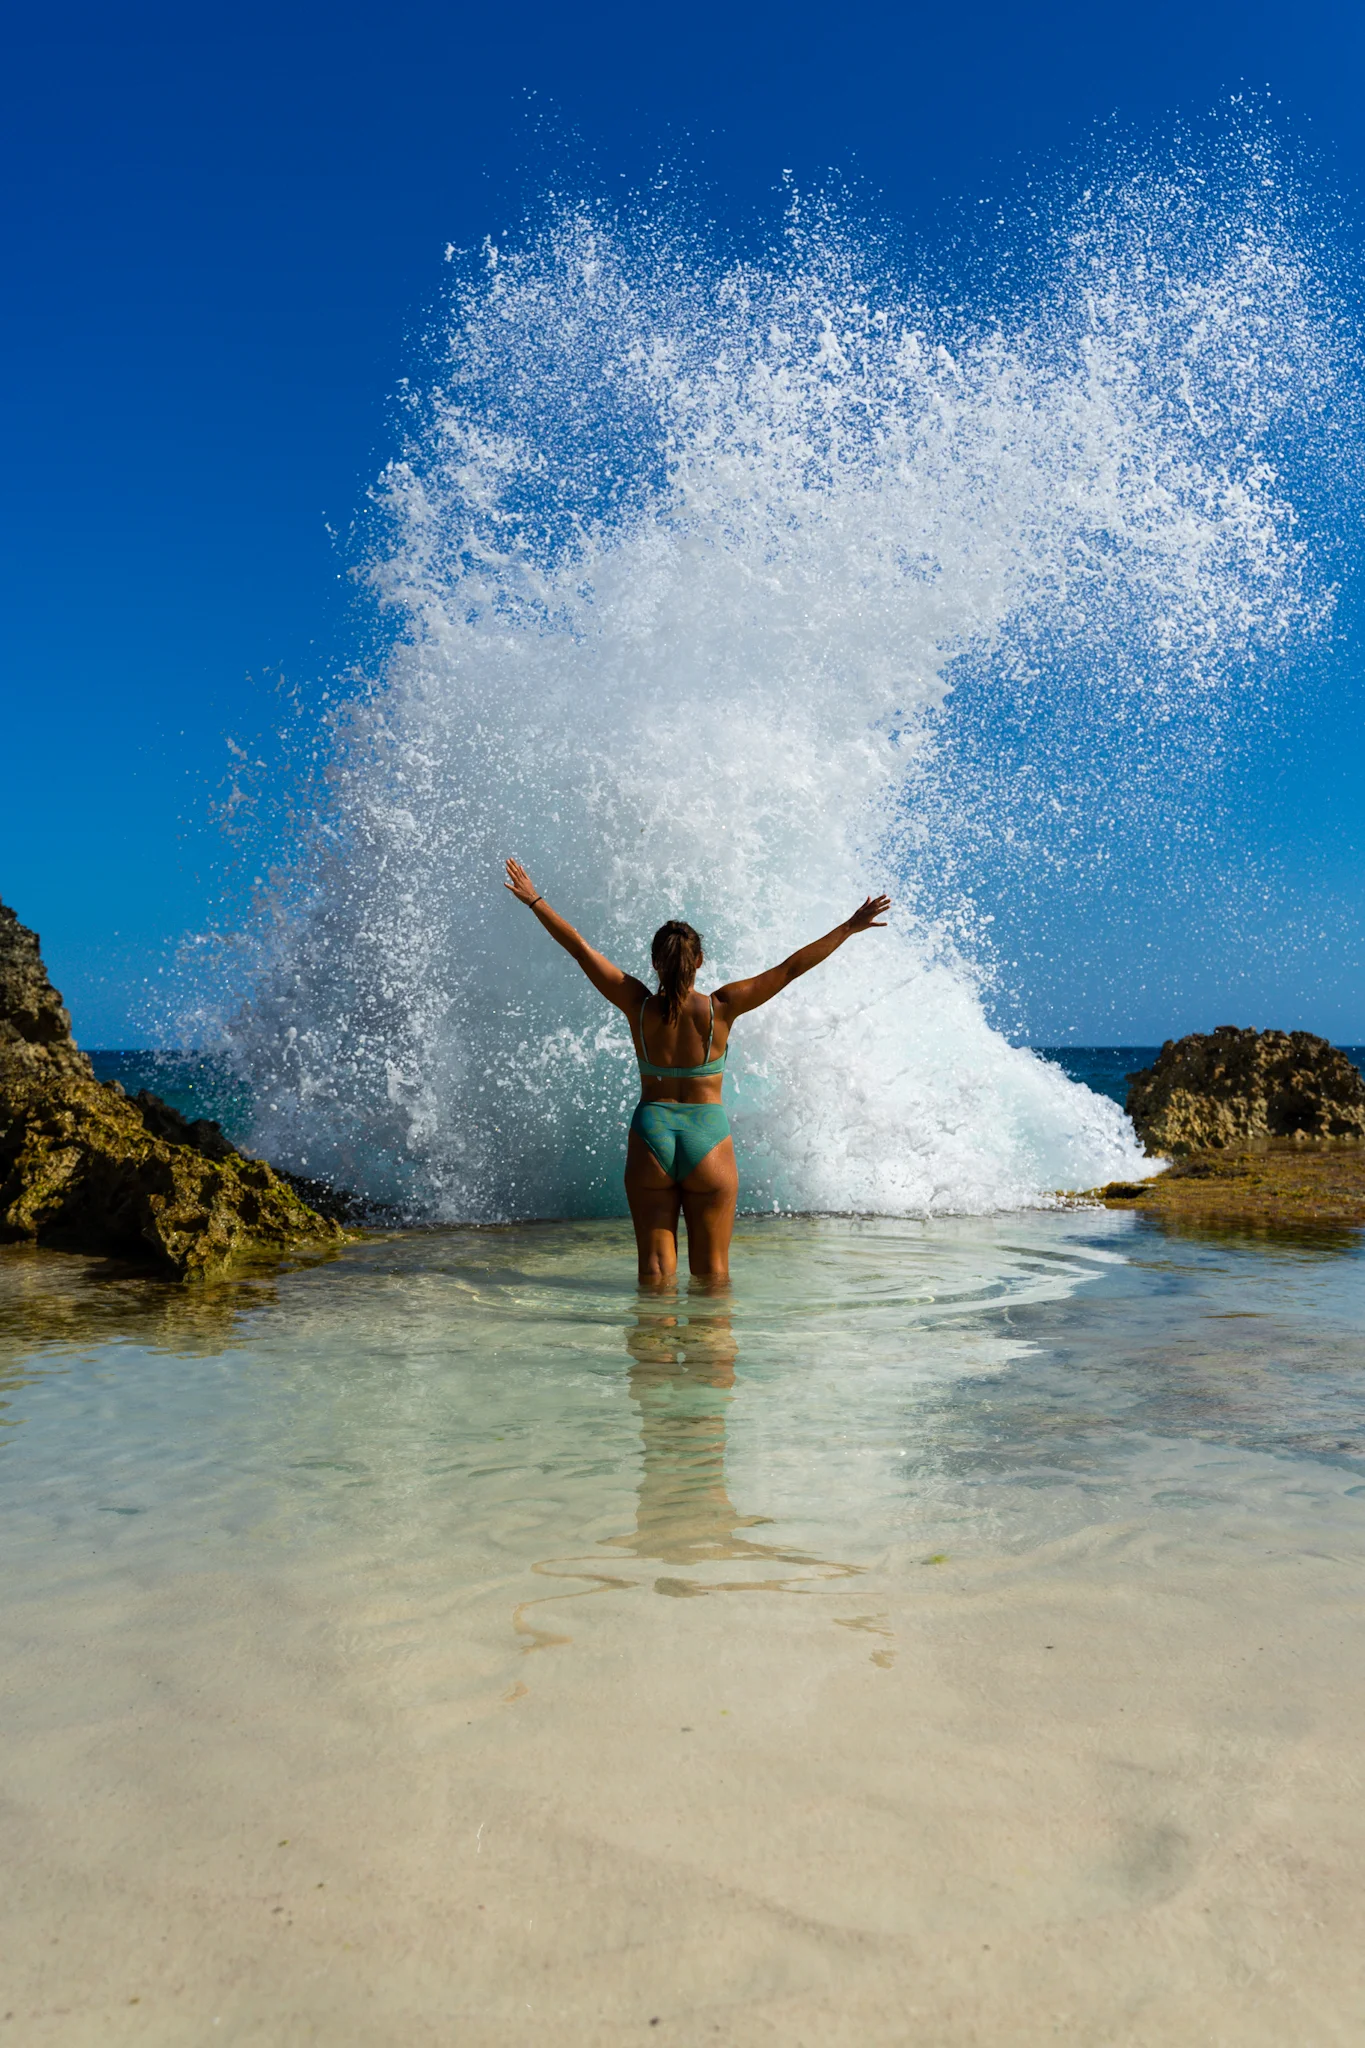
x=680, y=1155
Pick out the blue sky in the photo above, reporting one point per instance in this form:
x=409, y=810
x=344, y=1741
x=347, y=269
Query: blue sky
x=225, y=229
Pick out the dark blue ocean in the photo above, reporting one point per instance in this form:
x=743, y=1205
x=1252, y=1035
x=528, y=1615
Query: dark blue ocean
x=198, y=1084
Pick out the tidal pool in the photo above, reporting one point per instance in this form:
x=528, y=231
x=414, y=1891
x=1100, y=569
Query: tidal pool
x=952, y=1633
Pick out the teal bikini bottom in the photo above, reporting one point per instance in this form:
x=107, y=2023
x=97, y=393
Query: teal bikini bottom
x=680, y=1134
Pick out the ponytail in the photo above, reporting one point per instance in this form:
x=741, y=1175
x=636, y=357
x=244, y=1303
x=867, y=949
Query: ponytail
x=676, y=953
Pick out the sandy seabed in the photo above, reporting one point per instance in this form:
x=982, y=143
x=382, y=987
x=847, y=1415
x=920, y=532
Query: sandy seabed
x=688, y=1783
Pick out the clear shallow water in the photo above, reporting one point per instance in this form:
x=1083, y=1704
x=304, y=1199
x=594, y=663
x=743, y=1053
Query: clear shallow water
x=863, y=1382
x=454, y=1581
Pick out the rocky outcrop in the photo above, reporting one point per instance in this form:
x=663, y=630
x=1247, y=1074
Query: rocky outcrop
x=1232, y=1088
x=85, y=1168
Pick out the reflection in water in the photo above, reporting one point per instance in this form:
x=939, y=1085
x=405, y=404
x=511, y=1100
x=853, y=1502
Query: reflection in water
x=1296, y=1236
x=63, y=1301
x=682, y=1380
x=56, y=1304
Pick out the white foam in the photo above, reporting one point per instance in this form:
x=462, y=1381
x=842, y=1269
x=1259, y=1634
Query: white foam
x=683, y=558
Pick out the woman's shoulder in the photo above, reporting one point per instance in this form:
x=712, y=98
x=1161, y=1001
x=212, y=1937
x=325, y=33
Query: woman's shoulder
x=710, y=1013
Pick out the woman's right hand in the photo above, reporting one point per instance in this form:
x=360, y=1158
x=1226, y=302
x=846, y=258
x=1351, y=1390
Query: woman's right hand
x=870, y=915
x=520, y=883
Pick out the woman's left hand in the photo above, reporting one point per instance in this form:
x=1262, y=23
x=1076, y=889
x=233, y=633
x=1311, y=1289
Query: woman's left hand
x=520, y=883
x=870, y=914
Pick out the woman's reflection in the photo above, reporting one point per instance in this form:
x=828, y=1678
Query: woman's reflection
x=682, y=1380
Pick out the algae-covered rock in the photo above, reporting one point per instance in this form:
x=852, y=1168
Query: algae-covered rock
x=83, y=1168
x=1231, y=1087
x=1274, y=1184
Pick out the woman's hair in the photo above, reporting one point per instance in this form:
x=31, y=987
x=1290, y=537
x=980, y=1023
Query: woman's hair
x=676, y=953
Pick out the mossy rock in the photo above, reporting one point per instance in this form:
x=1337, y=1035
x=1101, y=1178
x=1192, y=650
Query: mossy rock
x=1277, y=1181
x=83, y=1168
x=81, y=1172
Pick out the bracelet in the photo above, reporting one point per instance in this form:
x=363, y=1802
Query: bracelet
x=534, y=900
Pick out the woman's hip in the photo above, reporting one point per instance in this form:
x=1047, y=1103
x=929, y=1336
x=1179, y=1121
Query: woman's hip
x=681, y=1135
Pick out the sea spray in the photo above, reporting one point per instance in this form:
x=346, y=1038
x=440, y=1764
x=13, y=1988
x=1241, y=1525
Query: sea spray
x=683, y=557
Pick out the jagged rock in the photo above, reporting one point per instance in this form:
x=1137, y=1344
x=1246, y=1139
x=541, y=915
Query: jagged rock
x=83, y=1168
x=35, y=1030
x=1234, y=1087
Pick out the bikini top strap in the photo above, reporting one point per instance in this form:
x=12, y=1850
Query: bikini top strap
x=644, y=1049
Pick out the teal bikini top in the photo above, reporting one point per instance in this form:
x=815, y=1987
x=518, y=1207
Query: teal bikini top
x=649, y=1072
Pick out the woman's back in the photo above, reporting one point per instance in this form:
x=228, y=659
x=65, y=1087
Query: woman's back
x=681, y=1057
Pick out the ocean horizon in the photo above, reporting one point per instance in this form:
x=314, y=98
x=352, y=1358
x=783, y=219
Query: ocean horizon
x=202, y=1084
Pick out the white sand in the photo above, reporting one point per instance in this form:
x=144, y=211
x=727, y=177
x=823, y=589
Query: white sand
x=1109, y=1792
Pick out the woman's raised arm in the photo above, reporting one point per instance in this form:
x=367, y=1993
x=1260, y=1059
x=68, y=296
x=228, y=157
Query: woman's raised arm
x=606, y=977
x=738, y=996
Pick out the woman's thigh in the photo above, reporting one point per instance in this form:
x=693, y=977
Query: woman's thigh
x=654, y=1204
x=709, y=1196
